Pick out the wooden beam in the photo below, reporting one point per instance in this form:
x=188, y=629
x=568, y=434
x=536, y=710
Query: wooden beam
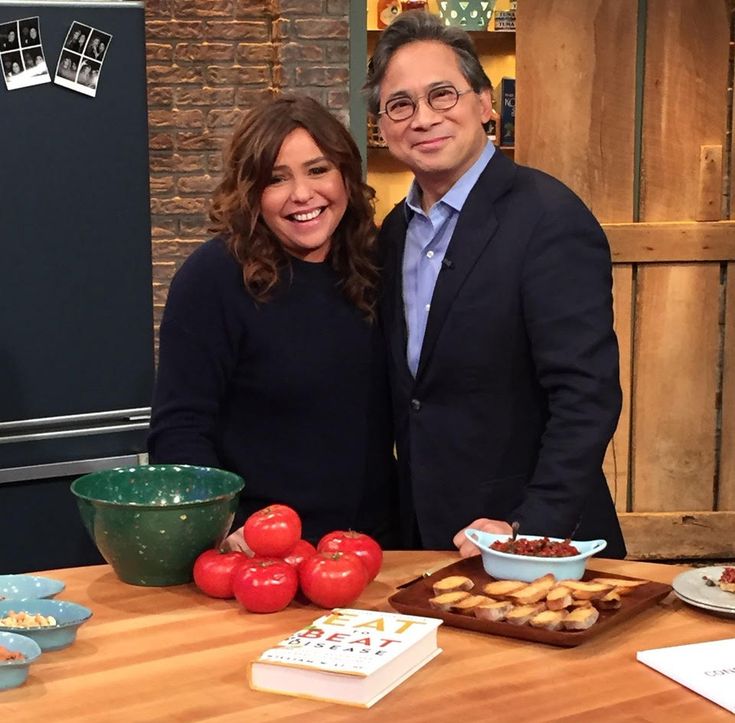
x=726, y=487
x=709, y=196
x=673, y=242
x=679, y=535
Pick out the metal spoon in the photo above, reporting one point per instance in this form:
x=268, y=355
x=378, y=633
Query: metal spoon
x=514, y=533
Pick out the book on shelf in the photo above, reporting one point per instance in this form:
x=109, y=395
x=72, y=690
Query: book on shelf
x=348, y=656
x=504, y=20
x=507, y=109
x=705, y=668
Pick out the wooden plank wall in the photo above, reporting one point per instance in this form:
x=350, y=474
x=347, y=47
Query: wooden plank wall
x=671, y=464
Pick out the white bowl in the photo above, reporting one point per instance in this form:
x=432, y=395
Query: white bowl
x=506, y=566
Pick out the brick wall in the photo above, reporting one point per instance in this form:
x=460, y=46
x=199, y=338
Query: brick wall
x=208, y=61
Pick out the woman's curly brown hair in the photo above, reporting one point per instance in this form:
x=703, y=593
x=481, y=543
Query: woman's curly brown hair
x=235, y=208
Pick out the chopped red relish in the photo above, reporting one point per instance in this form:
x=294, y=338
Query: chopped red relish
x=543, y=547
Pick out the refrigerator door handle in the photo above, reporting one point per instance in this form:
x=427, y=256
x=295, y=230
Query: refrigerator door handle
x=73, y=432
x=133, y=415
x=68, y=469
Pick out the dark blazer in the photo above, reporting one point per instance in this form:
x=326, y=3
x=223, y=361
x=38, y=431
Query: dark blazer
x=517, y=392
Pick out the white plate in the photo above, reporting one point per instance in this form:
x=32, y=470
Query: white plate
x=691, y=588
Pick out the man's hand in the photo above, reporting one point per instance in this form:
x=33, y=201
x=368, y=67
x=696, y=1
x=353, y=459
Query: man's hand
x=495, y=527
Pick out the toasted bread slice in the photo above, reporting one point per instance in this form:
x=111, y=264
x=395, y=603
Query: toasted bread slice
x=580, y=604
x=581, y=618
x=446, y=600
x=549, y=619
x=452, y=583
x=521, y=614
x=624, y=587
x=502, y=589
x=609, y=601
x=558, y=598
x=534, y=591
x=466, y=605
x=586, y=590
x=492, y=610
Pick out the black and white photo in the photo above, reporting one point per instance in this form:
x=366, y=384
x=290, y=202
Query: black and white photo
x=80, y=63
x=9, y=36
x=25, y=64
x=97, y=45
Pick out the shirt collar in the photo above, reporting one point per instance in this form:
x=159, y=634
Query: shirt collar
x=456, y=196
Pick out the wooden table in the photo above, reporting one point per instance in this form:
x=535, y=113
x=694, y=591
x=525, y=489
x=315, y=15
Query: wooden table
x=172, y=654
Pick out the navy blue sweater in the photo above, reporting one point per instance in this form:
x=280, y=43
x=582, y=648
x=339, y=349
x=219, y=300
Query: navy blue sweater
x=291, y=394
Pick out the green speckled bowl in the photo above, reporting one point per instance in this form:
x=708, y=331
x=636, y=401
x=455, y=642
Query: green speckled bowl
x=151, y=522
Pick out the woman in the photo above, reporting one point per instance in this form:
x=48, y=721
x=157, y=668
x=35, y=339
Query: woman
x=271, y=363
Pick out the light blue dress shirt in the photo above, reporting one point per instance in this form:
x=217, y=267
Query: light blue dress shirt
x=427, y=238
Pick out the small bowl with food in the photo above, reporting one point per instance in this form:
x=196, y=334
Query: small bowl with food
x=529, y=557
x=17, y=652
x=28, y=587
x=53, y=624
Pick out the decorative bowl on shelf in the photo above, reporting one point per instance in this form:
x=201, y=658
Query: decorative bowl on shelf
x=69, y=617
x=507, y=566
x=15, y=672
x=468, y=14
x=151, y=522
x=28, y=587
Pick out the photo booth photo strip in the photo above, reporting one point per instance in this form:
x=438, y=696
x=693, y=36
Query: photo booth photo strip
x=22, y=58
x=80, y=62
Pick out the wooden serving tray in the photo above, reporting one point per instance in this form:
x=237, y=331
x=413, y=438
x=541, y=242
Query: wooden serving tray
x=414, y=600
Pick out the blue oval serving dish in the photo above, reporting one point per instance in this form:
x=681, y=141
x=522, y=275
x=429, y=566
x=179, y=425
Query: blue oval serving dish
x=15, y=672
x=68, y=615
x=29, y=587
x=506, y=566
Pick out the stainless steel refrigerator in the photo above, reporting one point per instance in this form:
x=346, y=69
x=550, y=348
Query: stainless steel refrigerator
x=76, y=346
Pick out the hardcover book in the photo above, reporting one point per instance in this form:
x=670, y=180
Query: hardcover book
x=507, y=103
x=348, y=656
x=705, y=668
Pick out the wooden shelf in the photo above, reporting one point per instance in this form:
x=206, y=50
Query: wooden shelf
x=475, y=34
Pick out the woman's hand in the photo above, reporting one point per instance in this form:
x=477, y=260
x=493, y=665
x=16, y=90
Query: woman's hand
x=236, y=543
x=495, y=527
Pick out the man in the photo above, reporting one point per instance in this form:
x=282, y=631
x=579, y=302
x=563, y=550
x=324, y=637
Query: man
x=497, y=308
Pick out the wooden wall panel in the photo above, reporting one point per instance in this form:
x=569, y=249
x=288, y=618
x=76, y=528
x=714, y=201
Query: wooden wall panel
x=675, y=387
x=684, y=101
x=670, y=535
x=677, y=339
x=726, y=487
x=575, y=105
x=616, y=465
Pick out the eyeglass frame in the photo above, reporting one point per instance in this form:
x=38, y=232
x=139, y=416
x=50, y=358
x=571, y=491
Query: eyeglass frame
x=415, y=101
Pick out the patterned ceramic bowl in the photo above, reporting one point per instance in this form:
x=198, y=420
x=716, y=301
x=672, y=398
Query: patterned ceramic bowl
x=68, y=616
x=15, y=672
x=505, y=566
x=151, y=522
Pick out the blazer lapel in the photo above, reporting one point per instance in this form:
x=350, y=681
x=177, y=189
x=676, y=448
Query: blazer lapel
x=476, y=225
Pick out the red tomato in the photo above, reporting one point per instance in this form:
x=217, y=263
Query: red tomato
x=265, y=585
x=332, y=579
x=272, y=531
x=360, y=544
x=213, y=571
x=300, y=552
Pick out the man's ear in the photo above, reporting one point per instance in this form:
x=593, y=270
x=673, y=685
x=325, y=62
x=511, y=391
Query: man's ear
x=486, y=104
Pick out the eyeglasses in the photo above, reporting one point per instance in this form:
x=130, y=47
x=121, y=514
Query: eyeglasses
x=441, y=98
